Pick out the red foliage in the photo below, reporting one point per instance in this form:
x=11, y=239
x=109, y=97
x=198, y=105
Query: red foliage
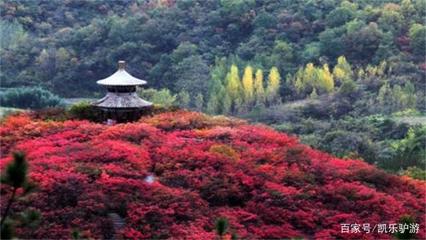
x=172, y=175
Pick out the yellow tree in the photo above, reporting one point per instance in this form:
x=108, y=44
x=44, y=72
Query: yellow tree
x=343, y=70
x=248, y=85
x=233, y=86
x=233, y=82
x=259, y=91
x=309, y=75
x=326, y=79
x=273, y=87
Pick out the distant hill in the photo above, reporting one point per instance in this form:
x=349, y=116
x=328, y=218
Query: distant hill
x=174, y=43
x=173, y=175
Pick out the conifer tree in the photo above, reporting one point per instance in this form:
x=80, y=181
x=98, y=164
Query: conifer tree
x=212, y=104
x=298, y=82
x=183, y=99
x=399, y=99
x=410, y=92
x=259, y=90
x=216, y=91
x=199, y=102
x=15, y=176
x=248, y=85
x=218, y=76
x=314, y=94
x=221, y=227
x=348, y=88
x=385, y=97
x=273, y=87
x=227, y=103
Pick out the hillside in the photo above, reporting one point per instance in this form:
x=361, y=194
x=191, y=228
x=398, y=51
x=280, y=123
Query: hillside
x=175, y=174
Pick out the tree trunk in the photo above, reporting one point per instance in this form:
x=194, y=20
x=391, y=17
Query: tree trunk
x=9, y=204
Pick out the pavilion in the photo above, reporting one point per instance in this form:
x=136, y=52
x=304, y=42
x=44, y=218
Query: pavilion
x=121, y=103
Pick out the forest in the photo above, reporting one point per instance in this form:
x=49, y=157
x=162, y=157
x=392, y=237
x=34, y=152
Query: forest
x=344, y=77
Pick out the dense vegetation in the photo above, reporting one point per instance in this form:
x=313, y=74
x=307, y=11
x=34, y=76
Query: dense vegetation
x=186, y=175
x=29, y=97
x=178, y=44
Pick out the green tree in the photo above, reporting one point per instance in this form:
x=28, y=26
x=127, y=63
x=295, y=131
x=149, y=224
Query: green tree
x=183, y=99
x=227, y=104
x=12, y=34
x=221, y=227
x=416, y=173
x=311, y=52
x=410, y=92
x=340, y=16
x=299, y=83
x=161, y=97
x=314, y=94
x=192, y=75
x=199, y=102
x=348, y=88
x=406, y=220
x=16, y=177
x=407, y=8
x=385, y=96
x=234, y=88
x=29, y=97
x=216, y=89
x=417, y=36
x=331, y=42
x=362, y=43
x=282, y=56
x=410, y=150
x=387, y=47
x=391, y=20
x=213, y=104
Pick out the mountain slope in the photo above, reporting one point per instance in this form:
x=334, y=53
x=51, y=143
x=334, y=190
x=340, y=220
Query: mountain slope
x=175, y=174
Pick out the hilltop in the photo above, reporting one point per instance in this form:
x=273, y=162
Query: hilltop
x=175, y=174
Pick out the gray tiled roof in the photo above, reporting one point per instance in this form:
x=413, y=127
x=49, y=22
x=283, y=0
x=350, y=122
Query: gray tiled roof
x=122, y=100
x=121, y=78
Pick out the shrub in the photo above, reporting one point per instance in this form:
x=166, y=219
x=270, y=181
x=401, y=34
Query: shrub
x=224, y=150
x=221, y=226
x=278, y=188
x=29, y=97
x=416, y=173
x=84, y=110
x=54, y=114
x=161, y=97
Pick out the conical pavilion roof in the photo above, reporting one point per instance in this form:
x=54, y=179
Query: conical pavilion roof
x=121, y=101
x=121, y=78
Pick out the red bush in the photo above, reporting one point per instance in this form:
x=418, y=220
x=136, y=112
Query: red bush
x=174, y=174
